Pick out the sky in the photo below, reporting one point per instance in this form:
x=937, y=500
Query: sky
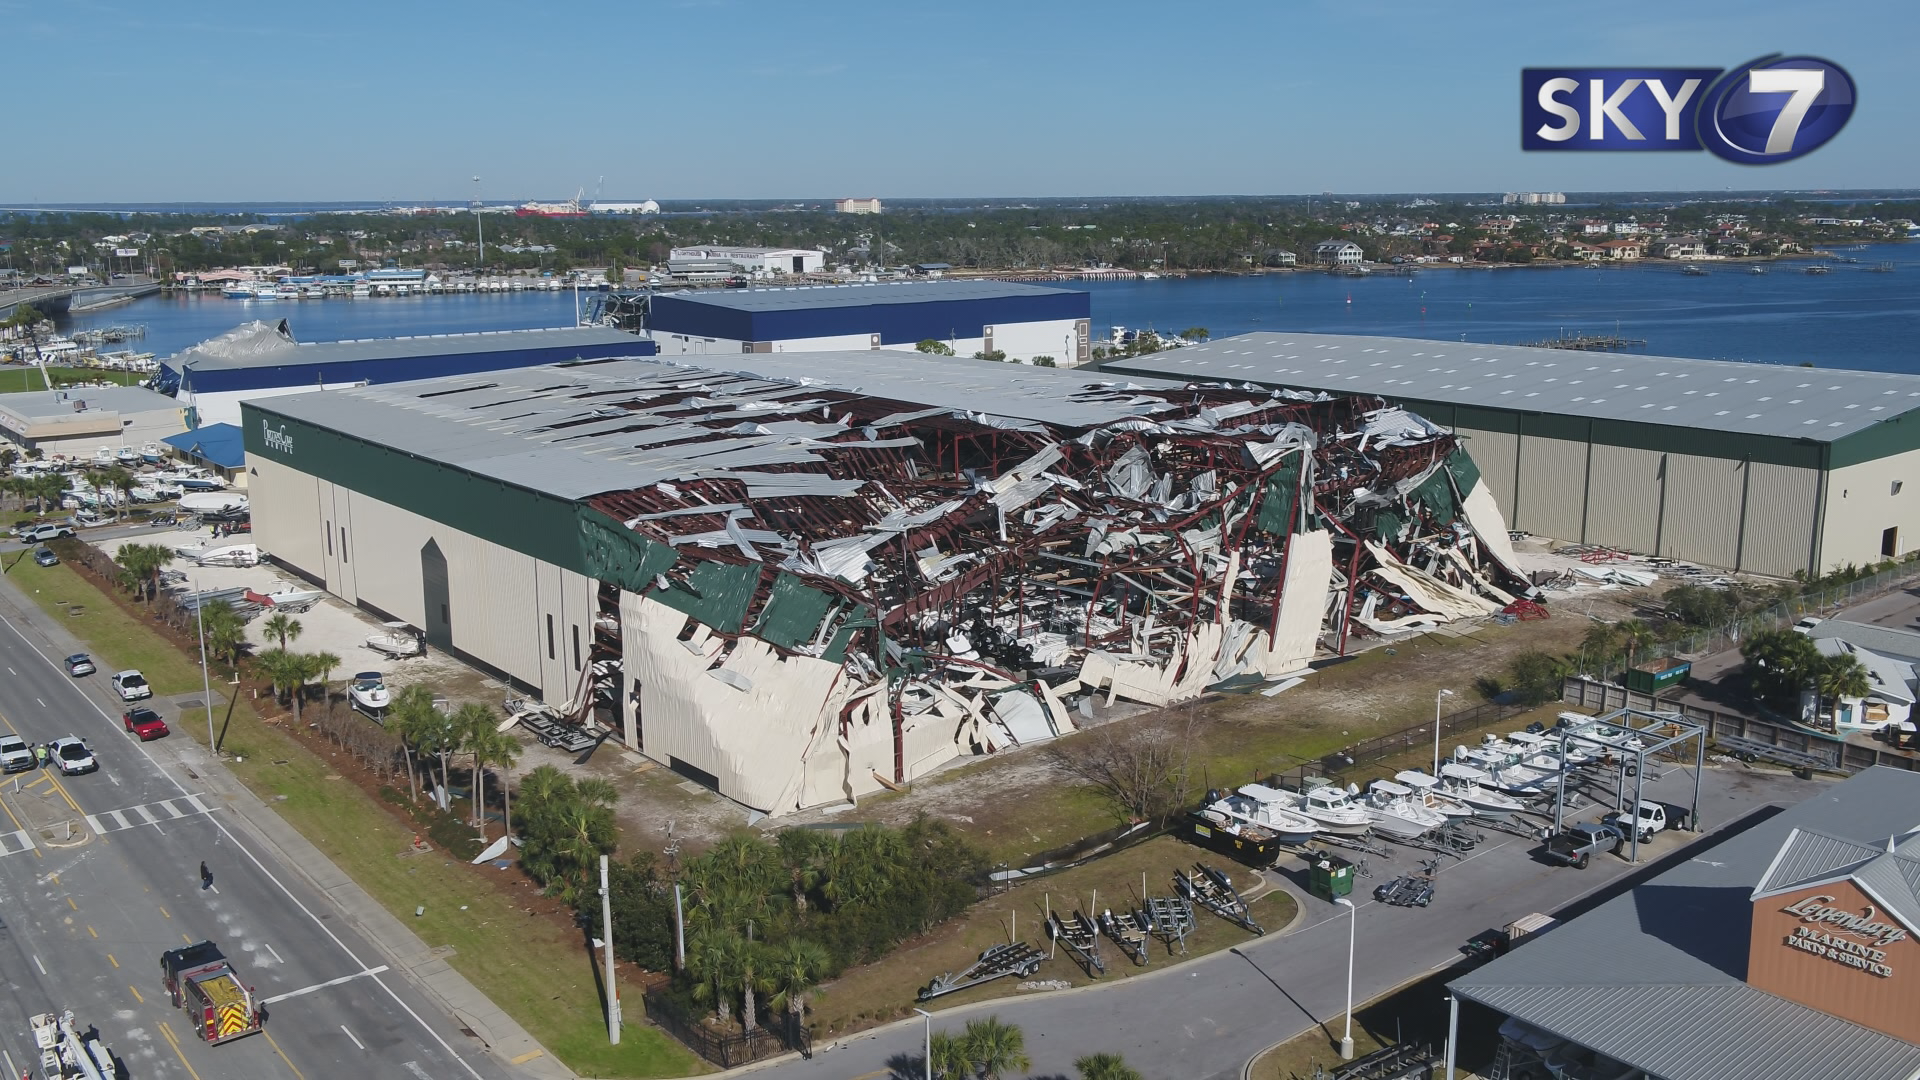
x=407, y=101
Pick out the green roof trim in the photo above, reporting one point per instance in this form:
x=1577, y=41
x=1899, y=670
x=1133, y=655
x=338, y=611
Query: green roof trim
x=793, y=612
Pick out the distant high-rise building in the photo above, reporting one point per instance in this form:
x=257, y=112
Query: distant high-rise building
x=856, y=206
x=1533, y=198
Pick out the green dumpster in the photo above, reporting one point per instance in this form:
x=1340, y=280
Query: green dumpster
x=1329, y=876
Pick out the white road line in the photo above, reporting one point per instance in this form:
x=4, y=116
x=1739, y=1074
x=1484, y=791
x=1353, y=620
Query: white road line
x=11, y=1067
x=38, y=964
x=270, y=952
x=343, y=1027
x=42, y=703
x=172, y=810
x=322, y=986
x=145, y=817
x=262, y=867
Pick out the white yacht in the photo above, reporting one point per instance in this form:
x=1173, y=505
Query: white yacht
x=1391, y=802
x=1425, y=790
x=1547, y=744
x=1334, y=810
x=1475, y=788
x=1260, y=813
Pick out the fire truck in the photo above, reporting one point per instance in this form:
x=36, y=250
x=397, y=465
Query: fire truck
x=203, y=983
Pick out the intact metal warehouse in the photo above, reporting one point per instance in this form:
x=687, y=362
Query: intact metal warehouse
x=261, y=360
x=1786, y=952
x=802, y=579
x=1023, y=321
x=1746, y=466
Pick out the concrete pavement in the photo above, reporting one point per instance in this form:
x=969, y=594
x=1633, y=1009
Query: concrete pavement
x=1205, y=1019
x=366, y=995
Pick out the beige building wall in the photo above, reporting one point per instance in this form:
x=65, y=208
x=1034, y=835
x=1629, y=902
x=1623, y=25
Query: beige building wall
x=1493, y=454
x=1864, y=501
x=1704, y=496
x=286, y=515
x=1623, y=503
x=1782, y=507
x=1552, y=488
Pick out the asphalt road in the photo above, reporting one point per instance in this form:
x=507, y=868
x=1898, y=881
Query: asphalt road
x=83, y=921
x=1205, y=1019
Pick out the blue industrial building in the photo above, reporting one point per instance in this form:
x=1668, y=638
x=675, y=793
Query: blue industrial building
x=1023, y=321
x=258, y=360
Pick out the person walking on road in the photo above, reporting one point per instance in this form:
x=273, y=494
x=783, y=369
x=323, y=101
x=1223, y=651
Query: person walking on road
x=206, y=877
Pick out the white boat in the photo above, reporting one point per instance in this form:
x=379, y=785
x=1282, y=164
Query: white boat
x=368, y=694
x=126, y=455
x=1394, y=803
x=103, y=457
x=152, y=453
x=1546, y=744
x=214, y=502
x=1334, y=810
x=1474, y=788
x=398, y=642
x=1259, y=813
x=294, y=600
x=230, y=555
x=1426, y=791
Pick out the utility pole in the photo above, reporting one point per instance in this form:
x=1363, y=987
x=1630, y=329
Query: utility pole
x=479, y=227
x=679, y=932
x=606, y=930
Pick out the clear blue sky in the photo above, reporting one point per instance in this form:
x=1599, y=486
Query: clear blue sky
x=407, y=100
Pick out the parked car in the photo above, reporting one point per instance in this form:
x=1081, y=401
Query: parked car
x=15, y=754
x=40, y=534
x=131, y=685
x=79, y=664
x=1577, y=845
x=1653, y=819
x=145, y=723
x=71, y=756
x=46, y=557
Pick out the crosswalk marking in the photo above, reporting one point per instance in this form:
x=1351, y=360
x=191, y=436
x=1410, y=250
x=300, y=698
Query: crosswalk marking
x=148, y=814
x=14, y=843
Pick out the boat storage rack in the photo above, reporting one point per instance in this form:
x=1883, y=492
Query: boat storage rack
x=1018, y=958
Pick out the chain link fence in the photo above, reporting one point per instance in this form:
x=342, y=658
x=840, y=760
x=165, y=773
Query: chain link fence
x=1814, y=600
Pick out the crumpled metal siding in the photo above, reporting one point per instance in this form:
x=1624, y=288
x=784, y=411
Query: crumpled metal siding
x=792, y=613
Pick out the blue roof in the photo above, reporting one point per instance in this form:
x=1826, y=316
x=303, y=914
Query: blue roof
x=900, y=312
x=218, y=445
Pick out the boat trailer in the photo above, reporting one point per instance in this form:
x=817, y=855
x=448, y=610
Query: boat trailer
x=1170, y=918
x=1081, y=938
x=1453, y=838
x=1129, y=930
x=1214, y=891
x=997, y=962
x=1364, y=844
x=1412, y=890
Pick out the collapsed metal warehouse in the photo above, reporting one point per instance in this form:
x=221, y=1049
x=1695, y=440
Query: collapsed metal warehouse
x=823, y=574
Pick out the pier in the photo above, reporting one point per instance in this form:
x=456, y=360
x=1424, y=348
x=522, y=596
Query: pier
x=1589, y=342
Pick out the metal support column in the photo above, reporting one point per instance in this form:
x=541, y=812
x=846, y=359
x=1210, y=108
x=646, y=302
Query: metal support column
x=1453, y=1030
x=1639, y=782
x=1699, y=764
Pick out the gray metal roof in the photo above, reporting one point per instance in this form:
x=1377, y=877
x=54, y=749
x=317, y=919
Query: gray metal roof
x=1886, y=640
x=1722, y=395
x=560, y=429
x=275, y=354
x=1656, y=977
x=785, y=297
x=51, y=406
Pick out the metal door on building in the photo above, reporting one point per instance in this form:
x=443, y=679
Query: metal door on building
x=437, y=597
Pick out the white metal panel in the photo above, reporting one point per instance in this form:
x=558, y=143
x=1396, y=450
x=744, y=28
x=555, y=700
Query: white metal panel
x=495, y=590
x=550, y=646
x=1866, y=499
x=389, y=579
x=1780, y=519
x=347, y=545
x=329, y=535
x=1552, y=487
x=1492, y=453
x=286, y=515
x=1623, y=501
x=1703, y=509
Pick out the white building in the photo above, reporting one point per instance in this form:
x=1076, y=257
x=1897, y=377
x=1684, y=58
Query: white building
x=760, y=262
x=80, y=423
x=1534, y=198
x=1022, y=321
x=1338, y=253
x=856, y=206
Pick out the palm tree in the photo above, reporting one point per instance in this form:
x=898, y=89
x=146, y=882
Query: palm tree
x=226, y=633
x=754, y=965
x=996, y=1048
x=282, y=668
x=1599, y=644
x=282, y=628
x=713, y=959
x=801, y=852
x=794, y=969
x=313, y=666
x=948, y=1057
x=1635, y=635
x=504, y=750
x=1105, y=1067
x=478, y=726
x=408, y=717
x=1838, y=677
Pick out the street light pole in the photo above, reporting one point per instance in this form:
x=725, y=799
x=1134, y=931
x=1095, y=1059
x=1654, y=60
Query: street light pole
x=1436, y=730
x=479, y=226
x=929, y=1060
x=206, y=680
x=1353, y=926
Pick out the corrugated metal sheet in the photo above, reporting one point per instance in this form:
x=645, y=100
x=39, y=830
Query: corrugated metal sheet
x=1552, y=486
x=1623, y=502
x=1703, y=509
x=1492, y=453
x=1808, y=857
x=715, y=593
x=793, y=612
x=1717, y=395
x=392, y=582
x=900, y=314
x=286, y=509
x=1780, y=519
x=1730, y=1032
